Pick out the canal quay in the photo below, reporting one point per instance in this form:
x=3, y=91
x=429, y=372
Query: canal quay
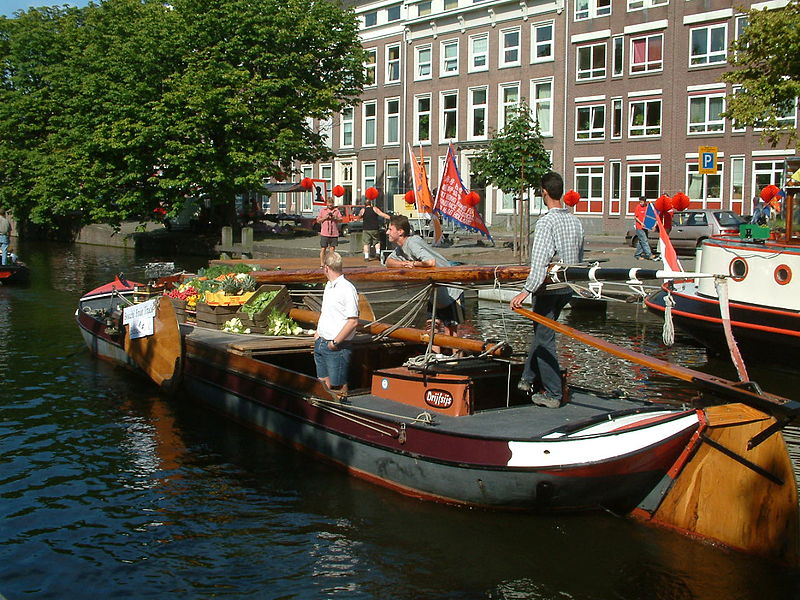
x=114, y=490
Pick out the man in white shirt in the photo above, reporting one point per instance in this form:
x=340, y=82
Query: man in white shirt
x=336, y=327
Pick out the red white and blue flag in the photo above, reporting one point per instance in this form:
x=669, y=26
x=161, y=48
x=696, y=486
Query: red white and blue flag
x=450, y=195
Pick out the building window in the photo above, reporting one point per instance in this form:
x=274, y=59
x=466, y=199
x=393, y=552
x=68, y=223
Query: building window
x=370, y=114
x=479, y=52
x=392, y=179
x=542, y=94
x=642, y=4
x=347, y=127
x=591, y=62
x=616, y=118
x=589, y=9
x=422, y=119
x=647, y=54
x=450, y=4
x=616, y=187
x=308, y=197
x=509, y=48
x=618, y=58
x=393, y=64
x=509, y=101
x=370, y=67
x=423, y=9
x=708, y=45
x=589, y=183
x=393, y=13
x=325, y=131
x=392, y=134
x=477, y=112
x=368, y=175
x=645, y=118
x=590, y=122
x=449, y=51
x=423, y=59
x=326, y=174
x=766, y=172
x=704, y=188
x=449, y=118
x=705, y=114
x=542, y=42
x=643, y=180
x=371, y=18
x=737, y=183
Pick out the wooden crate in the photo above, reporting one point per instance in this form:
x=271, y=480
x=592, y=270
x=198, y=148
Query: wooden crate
x=282, y=303
x=179, y=306
x=214, y=316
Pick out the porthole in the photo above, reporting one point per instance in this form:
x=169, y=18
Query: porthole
x=738, y=269
x=783, y=274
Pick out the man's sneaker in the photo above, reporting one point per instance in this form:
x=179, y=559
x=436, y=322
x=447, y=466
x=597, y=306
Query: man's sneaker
x=524, y=385
x=542, y=399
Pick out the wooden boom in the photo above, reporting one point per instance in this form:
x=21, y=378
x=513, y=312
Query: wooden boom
x=777, y=406
x=417, y=336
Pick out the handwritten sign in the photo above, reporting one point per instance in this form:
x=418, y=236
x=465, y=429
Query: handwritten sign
x=140, y=318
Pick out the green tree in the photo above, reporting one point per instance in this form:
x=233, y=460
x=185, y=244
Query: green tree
x=765, y=61
x=515, y=161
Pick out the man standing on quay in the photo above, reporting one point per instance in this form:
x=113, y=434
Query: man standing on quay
x=558, y=237
x=337, y=324
x=328, y=218
x=642, y=245
x=369, y=216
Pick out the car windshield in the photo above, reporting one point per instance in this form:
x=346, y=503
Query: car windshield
x=727, y=218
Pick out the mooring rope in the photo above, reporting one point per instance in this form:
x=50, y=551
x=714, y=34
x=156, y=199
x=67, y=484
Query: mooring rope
x=721, y=284
x=668, y=333
x=340, y=410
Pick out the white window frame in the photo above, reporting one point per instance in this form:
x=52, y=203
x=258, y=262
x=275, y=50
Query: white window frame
x=634, y=5
x=648, y=65
x=642, y=172
x=326, y=131
x=369, y=123
x=594, y=72
x=590, y=9
x=450, y=4
x=424, y=8
x=595, y=176
x=389, y=18
x=614, y=186
x=618, y=63
x=418, y=114
x=505, y=49
x=474, y=110
x=737, y=177
x=307, y=200
x=504, y=105
x=423, y=68
x=709, y=125
x=709, y=57
x=766, y=172
x=540, y=103
x=445, y=112
x=617, y=120
x=692, y=173
x=371, y=16
x=478, y=56
x=449, y=65
x=347, y=124
x=391, y=178
x=326, y=174
x=371, y=67
x=392, y=63
x=391, y=132
x=636, y=132
x=547, y=46
x=591, y=133
x=368, y=179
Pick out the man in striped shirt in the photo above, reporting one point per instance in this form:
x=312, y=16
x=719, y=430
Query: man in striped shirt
x=558, y=238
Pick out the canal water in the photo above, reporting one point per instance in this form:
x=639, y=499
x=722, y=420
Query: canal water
x=109, y=490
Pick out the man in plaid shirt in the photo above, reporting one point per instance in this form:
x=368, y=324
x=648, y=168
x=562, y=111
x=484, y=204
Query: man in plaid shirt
x=558, y=238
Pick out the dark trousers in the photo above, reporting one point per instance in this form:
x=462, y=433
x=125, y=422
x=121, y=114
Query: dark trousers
x=542, y=362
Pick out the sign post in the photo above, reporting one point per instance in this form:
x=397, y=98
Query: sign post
x=707, y=160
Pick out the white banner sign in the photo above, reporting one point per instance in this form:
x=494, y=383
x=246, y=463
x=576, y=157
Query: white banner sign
x=140, y=318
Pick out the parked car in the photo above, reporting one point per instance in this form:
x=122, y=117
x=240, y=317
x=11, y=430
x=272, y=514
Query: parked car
x=691, y=227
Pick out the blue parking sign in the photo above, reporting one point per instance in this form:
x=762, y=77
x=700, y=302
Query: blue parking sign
x=707, y=163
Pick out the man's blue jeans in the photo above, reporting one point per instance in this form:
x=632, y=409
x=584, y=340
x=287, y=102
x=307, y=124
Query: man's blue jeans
x=542, y=361
x=642, y=245
x=4, y=247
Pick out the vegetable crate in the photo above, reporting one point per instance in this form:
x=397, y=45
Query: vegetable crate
x=281, y=303
x=179, y=306
x=214, y=317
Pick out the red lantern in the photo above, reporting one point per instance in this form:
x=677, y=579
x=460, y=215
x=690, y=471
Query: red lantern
x=664, y=203
x=769, y=192
x=371, y=193
x=409, y=197
x=338, y=191
x=470, y=199
x=680, y=201
x=307, y=184
x=571, y=198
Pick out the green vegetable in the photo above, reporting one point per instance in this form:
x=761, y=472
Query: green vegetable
x=280, y=324
x=217, y=270
x=259, y=303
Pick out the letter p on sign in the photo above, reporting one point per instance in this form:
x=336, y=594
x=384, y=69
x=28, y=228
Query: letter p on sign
x=707, y=160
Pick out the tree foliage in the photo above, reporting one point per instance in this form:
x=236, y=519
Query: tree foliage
x=765, y=61
x=515, y=158
x=111, y=110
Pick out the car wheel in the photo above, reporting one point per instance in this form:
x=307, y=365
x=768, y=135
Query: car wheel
x=345, y=229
